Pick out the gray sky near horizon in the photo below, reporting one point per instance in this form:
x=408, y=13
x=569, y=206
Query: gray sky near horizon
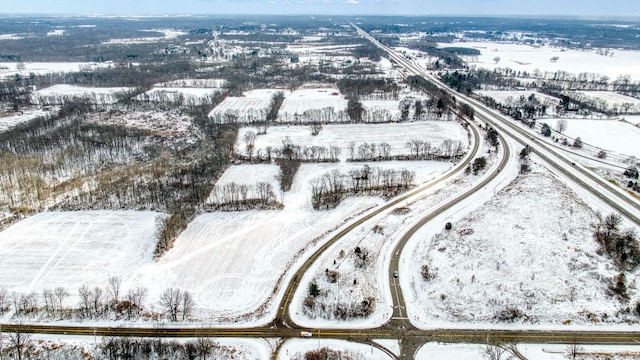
x=585, y=8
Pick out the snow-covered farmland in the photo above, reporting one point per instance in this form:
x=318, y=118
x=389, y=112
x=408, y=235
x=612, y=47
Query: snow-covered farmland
x=54, y=95
x=9, y=120
x=609, y=100
x=12, y=68
x=242, y=257
x=380, y=111
x=529, y=351
x=295, y=349
x=253, y=106
x=249, y=176
x=528, y=58
x=167, y=34
x=495, y=262
x=184, y=95
x=618, y=136
x=70, y=249
x=341, y=135
x=314, y=105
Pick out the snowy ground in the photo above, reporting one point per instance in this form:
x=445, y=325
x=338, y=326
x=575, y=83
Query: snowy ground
x=395, y=134
x=612, y=99
x=53, y=95
x=295, y=349
x=11, y=119
x=11, y=68
x=249, y=175
x=529, y=351
x=511, y=97
x=498, y=257
x=55, y=347
x=242, y=256
x=168, y=34
x=613, y=135
x=71, y=249
x=377, y=237
x=173, y=94
x=173, y=125
x=252, y=106
x=528, y=58
x=302, y=103
x=194, y=83
x=384, y=110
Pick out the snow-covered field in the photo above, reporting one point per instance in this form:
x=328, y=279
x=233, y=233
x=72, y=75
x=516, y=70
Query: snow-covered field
x=251, y=107
x=305, y=105
x=249, y=175
x=168, y=34
x=613, y=100
x=55, y=94
x=71, y=249
x=529, y=351
x=295, y=349
x=71, y=347
x=242, y=256
x=613, y=135
x=528, y=58
x=341, y=135
x=11, y=68
x=498, y=258
x=175, y=94
x=9, y=120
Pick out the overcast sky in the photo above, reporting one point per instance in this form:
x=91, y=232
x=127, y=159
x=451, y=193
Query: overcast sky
x=589, y=8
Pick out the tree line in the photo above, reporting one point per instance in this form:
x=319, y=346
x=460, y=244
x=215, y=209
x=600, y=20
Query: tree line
x=97, y=303
x=328, y=190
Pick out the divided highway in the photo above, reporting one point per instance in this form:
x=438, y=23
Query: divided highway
x=616, y=198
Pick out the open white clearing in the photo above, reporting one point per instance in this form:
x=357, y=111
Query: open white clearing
x=251, y=107
x=295, y=349
x=530, y=351
x=11, y=119
x=613, y=135
x=529, y=58
x=55, y=94
x=498, y=258
x=178, y=94
x=304, y=105
x=341, y=135
x=71, y=249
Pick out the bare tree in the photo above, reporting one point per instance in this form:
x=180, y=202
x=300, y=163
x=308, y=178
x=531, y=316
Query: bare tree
x=19, y=341
x=60, y=293
x=85, y=296
x=496, y=59
x=493, y=352
x=114, y=286
x=573, y=351
x=170, y=302
x=204, y=346
x=187, y=305
x=4, y=296
x=561, y=125
x=250, y=142
x=96, y=300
